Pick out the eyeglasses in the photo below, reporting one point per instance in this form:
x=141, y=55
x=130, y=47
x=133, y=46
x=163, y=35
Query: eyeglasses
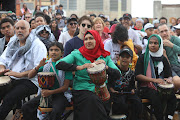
x=73, y=23
x=41, y=32
x=27, y=17
x=88, y=26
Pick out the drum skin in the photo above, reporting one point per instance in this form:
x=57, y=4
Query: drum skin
x=118, y=117
x=5, y=83
x=165, y=90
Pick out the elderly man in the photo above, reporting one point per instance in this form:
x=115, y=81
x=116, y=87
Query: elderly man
x=172, y=47
x=7, y=29
x=23, y=53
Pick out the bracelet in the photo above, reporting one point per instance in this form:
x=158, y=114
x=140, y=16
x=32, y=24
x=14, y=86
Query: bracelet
x=36, y=69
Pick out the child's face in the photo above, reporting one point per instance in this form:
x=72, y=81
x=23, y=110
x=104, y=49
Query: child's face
x=125, y=59
x=55, y=53
x=149, y=31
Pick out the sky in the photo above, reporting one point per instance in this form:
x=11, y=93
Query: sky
x=144, y=8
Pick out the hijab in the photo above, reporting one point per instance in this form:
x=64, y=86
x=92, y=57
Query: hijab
x=155, y=56
x=97, y=51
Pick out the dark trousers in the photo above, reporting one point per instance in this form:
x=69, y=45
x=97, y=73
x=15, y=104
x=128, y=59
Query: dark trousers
x=18, y=90
x=127, y=104
x=156, y=102
x=59, y=102
x=88, y=106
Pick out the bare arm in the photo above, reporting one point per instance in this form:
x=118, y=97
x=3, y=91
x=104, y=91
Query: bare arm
x=147, y=79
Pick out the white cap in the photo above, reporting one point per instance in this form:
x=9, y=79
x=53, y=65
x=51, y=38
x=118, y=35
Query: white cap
x=177, y=26
x=148, y=25
x=141, y=20
x=155, y=21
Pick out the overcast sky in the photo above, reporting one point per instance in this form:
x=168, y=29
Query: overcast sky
x=144, y=8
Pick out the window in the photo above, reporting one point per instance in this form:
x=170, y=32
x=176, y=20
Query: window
x=123, y=5
x=72, y=4
x=94, y=5
x=113, y=5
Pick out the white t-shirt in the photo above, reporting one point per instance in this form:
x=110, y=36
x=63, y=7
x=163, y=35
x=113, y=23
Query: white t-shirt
x=64, y=37
x=134, y=36
x=114, y=49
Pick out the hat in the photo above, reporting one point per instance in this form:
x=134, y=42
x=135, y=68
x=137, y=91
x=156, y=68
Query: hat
x=155, y=21
x=177, y=26
x=127, y=50
x=14, y=18
x=113, y=27
x=10, y=12
x=148, y=25
x=101, y=15
x=127, y=15
x=92, y=15
x=71, y=19
x=141, y=20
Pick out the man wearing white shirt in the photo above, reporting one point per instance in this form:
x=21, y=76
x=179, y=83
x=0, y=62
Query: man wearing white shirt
x=131, y=33
x=177, y=27
x=23, y=53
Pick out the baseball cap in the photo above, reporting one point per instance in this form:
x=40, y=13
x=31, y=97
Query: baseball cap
x=14, y=18
x=148, y=25
x=177, y=26
x=141, y=20
x=127, y=15
x=155, y=21
x=113, y=27
x=127, y=50
x=71, y=19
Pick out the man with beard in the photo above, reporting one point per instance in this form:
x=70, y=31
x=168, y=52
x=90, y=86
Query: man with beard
x=23, y=53
x=126, y=20
x=7, y=29
x=60, y=21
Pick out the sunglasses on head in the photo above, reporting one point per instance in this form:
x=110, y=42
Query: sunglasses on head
x=88, y=26
x=75, y=23
x=41, y=32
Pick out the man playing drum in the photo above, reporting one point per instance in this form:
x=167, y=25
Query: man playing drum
x=153, y=70
x=23, y=53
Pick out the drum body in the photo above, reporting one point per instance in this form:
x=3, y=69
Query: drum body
x=118, y=117
x=166, y=89
x=46, y=79
x=98, y=76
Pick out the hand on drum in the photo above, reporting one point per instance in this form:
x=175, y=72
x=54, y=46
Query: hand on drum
x=4, y=71
x=87, y=65
x=46, y=93
x=12, y=73
x=99, y=62
x=168, y=80
x=159, y=81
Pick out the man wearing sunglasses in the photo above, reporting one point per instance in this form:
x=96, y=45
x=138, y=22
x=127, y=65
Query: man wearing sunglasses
x=65, y=36
x=28, y=17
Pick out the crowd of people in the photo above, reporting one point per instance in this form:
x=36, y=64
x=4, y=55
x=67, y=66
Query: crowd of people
x=134, y=50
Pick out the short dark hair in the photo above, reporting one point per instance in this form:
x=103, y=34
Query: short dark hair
x=40, y=14
x=31, y=21
x=58, y=44
x=4, y=20
x=163, y=18
x=85, y=18
x=60, y=5
x=120, y=34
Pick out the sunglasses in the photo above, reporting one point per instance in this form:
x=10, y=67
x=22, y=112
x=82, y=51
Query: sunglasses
x=88, y=26
x=27, y=17
x=73, y=23
x=41, y=32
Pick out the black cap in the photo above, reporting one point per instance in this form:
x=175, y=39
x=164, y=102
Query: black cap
x=101, y=15
x=127, y=50
x=92, y=15
x=127, y=15
x=71, y=19
x=14, y=18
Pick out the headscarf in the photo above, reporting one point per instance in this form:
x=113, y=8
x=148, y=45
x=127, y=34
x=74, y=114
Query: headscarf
x=156, y=57
x=98, y=49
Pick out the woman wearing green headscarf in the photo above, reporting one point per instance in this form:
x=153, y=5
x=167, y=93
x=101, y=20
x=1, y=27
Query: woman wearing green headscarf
x=152, y=68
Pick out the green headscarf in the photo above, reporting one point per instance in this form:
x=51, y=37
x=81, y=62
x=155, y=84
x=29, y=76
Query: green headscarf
x=159, y=53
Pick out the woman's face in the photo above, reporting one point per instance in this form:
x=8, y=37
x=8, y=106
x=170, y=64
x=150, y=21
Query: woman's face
x=55, y=53
x=54, y=24
x=89, y=42
x=40, y=21
x=153, y=44
x=33, y=24
x=98, y=26
x=84, y=26
x=44, y=34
